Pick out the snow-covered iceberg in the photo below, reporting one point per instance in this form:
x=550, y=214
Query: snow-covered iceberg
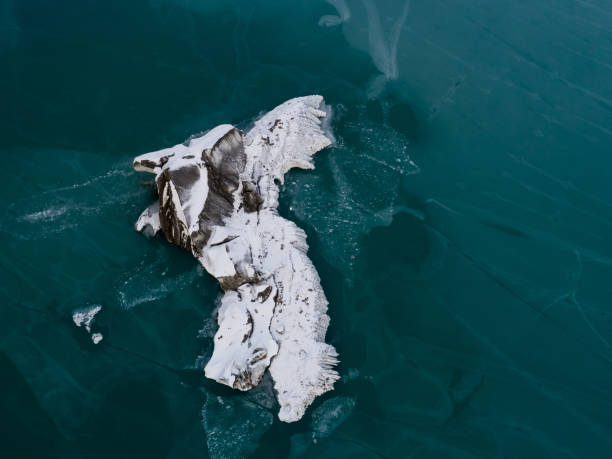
x=218, y=198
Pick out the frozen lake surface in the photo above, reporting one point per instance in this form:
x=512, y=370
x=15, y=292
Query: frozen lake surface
x=461, y=225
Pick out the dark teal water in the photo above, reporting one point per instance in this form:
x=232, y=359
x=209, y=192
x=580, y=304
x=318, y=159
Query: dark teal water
x=461, y=225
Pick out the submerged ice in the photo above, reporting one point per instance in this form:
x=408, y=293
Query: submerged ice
x=218, y=198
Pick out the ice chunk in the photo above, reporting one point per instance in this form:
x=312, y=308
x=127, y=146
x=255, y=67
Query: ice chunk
x=86, y=316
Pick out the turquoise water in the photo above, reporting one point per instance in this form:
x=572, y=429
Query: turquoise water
x=461, y=225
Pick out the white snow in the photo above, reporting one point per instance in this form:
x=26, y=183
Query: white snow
x=243, y=342
x=148, y=222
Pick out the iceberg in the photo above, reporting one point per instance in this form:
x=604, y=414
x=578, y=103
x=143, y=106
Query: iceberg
x=218, y=198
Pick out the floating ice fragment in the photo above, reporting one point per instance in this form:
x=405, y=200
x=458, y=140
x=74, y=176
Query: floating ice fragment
x=86, y=316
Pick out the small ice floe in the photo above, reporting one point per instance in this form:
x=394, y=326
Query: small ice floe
x=85, y=318
x=45, y=215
